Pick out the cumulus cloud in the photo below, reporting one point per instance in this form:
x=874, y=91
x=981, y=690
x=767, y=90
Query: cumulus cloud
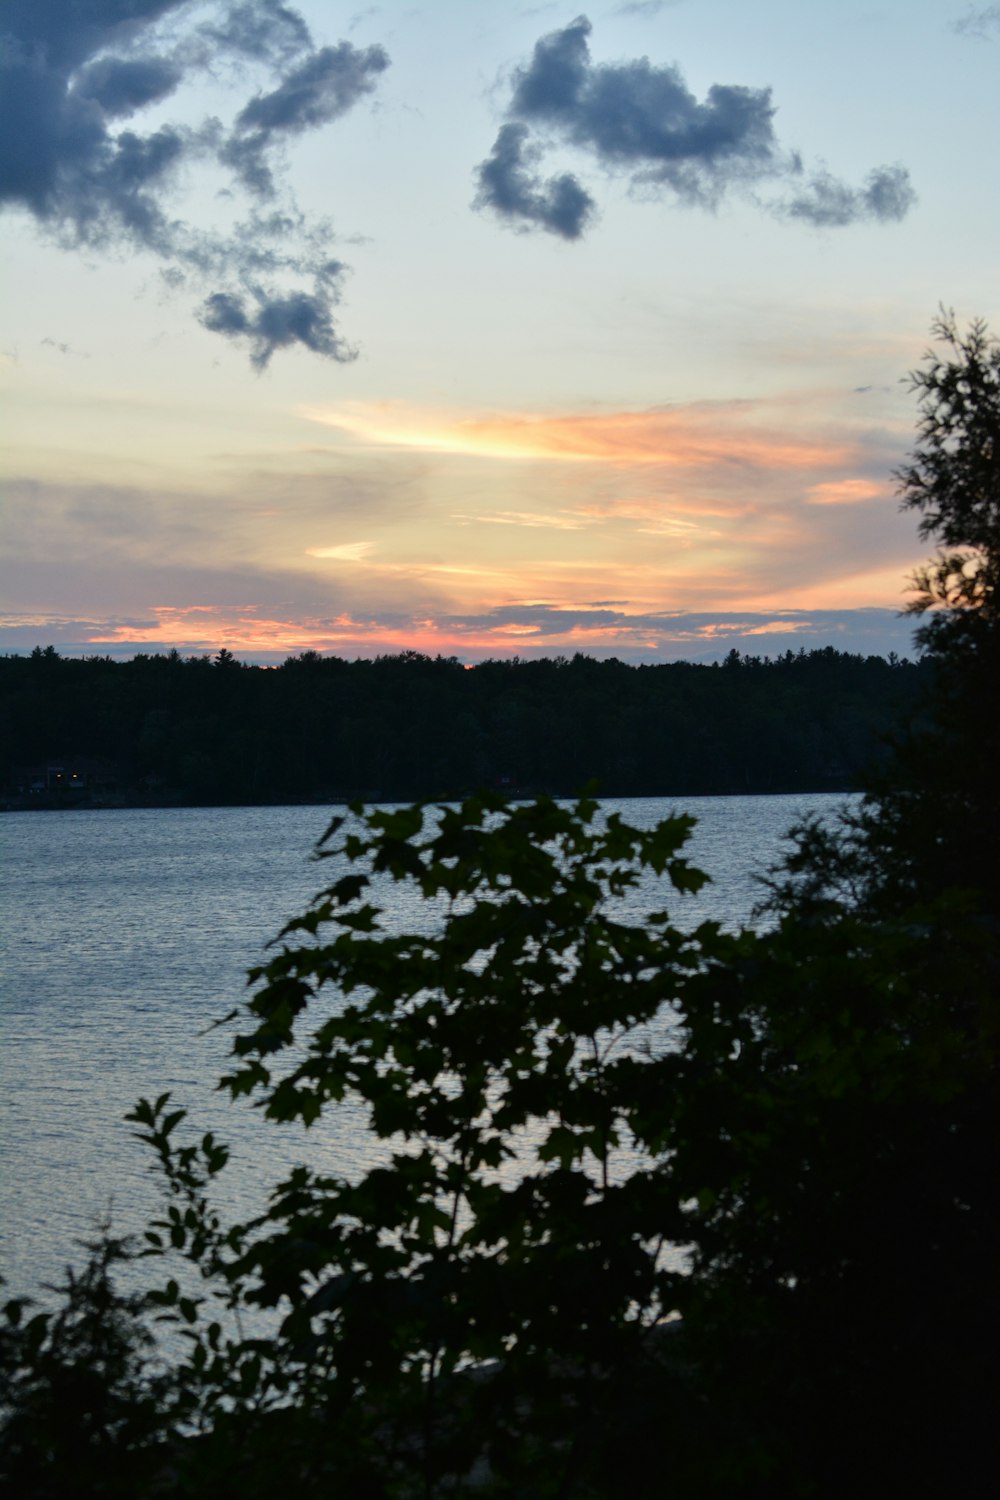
x=640, y=120
x=80, y=155
x=268, y=323
x=509, y=184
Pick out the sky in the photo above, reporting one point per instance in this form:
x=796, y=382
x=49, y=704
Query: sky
x=485, y=330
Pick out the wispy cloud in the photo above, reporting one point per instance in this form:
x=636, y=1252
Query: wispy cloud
x=532, y=519
x=823, y=200
x=341, y=552
x=846, y=492
x=407, y=519
x=644, y=9
x=319, y=89
x=533, y=630
x=63, y=348
x=684, y=437
x=981, y=22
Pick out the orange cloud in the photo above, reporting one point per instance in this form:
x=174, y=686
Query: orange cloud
x=687, y=437
x=537, y=627
x=204, y=628
x=732, y=506
x=343, y=552
x=534, y=520
x=845, y=492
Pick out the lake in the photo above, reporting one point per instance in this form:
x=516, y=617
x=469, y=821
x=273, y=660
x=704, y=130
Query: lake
x=127, y=932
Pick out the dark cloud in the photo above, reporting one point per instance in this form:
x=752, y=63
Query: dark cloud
x=269, y=322
x=264, y=30
x=640, y=120
x=323, y=87
x=121, y=86
x=319, y=90
x=59, y=86
x=886, y=196
x=979, y=23
x=509, y=185
x=76, y=155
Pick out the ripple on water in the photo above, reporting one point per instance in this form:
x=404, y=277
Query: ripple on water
x=128, y=932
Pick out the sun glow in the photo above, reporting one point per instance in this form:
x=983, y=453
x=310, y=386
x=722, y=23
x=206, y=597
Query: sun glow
x=684, y=437
x=343, y=552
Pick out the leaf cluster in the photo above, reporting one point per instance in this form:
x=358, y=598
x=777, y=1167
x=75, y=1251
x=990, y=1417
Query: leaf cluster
x=953, y=478
x=514, y=1227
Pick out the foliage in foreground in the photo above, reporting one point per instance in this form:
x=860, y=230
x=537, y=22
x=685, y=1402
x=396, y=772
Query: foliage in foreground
x=810, y=1112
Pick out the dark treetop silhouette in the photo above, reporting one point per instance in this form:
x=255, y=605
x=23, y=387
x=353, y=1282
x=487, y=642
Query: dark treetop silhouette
x=161, y=730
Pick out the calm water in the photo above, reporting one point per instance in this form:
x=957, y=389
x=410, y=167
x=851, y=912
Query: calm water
x=125, y=933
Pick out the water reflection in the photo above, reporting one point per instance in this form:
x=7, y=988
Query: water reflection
x=128, y=932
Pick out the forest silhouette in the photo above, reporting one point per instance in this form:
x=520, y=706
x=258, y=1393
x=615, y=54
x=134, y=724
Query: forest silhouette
x=162, y=729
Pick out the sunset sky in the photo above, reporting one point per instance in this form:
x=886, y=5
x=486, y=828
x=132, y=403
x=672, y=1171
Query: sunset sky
x=480, y=329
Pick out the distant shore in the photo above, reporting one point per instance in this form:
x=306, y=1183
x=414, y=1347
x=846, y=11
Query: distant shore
x=162, y=732
x=127, y=804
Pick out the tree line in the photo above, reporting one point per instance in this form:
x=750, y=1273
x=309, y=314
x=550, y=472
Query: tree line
x=215, y=730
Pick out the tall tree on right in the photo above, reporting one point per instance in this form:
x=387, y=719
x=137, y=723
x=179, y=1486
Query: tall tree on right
x=835, y=1114
x=931, y=819
x=948, y=820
